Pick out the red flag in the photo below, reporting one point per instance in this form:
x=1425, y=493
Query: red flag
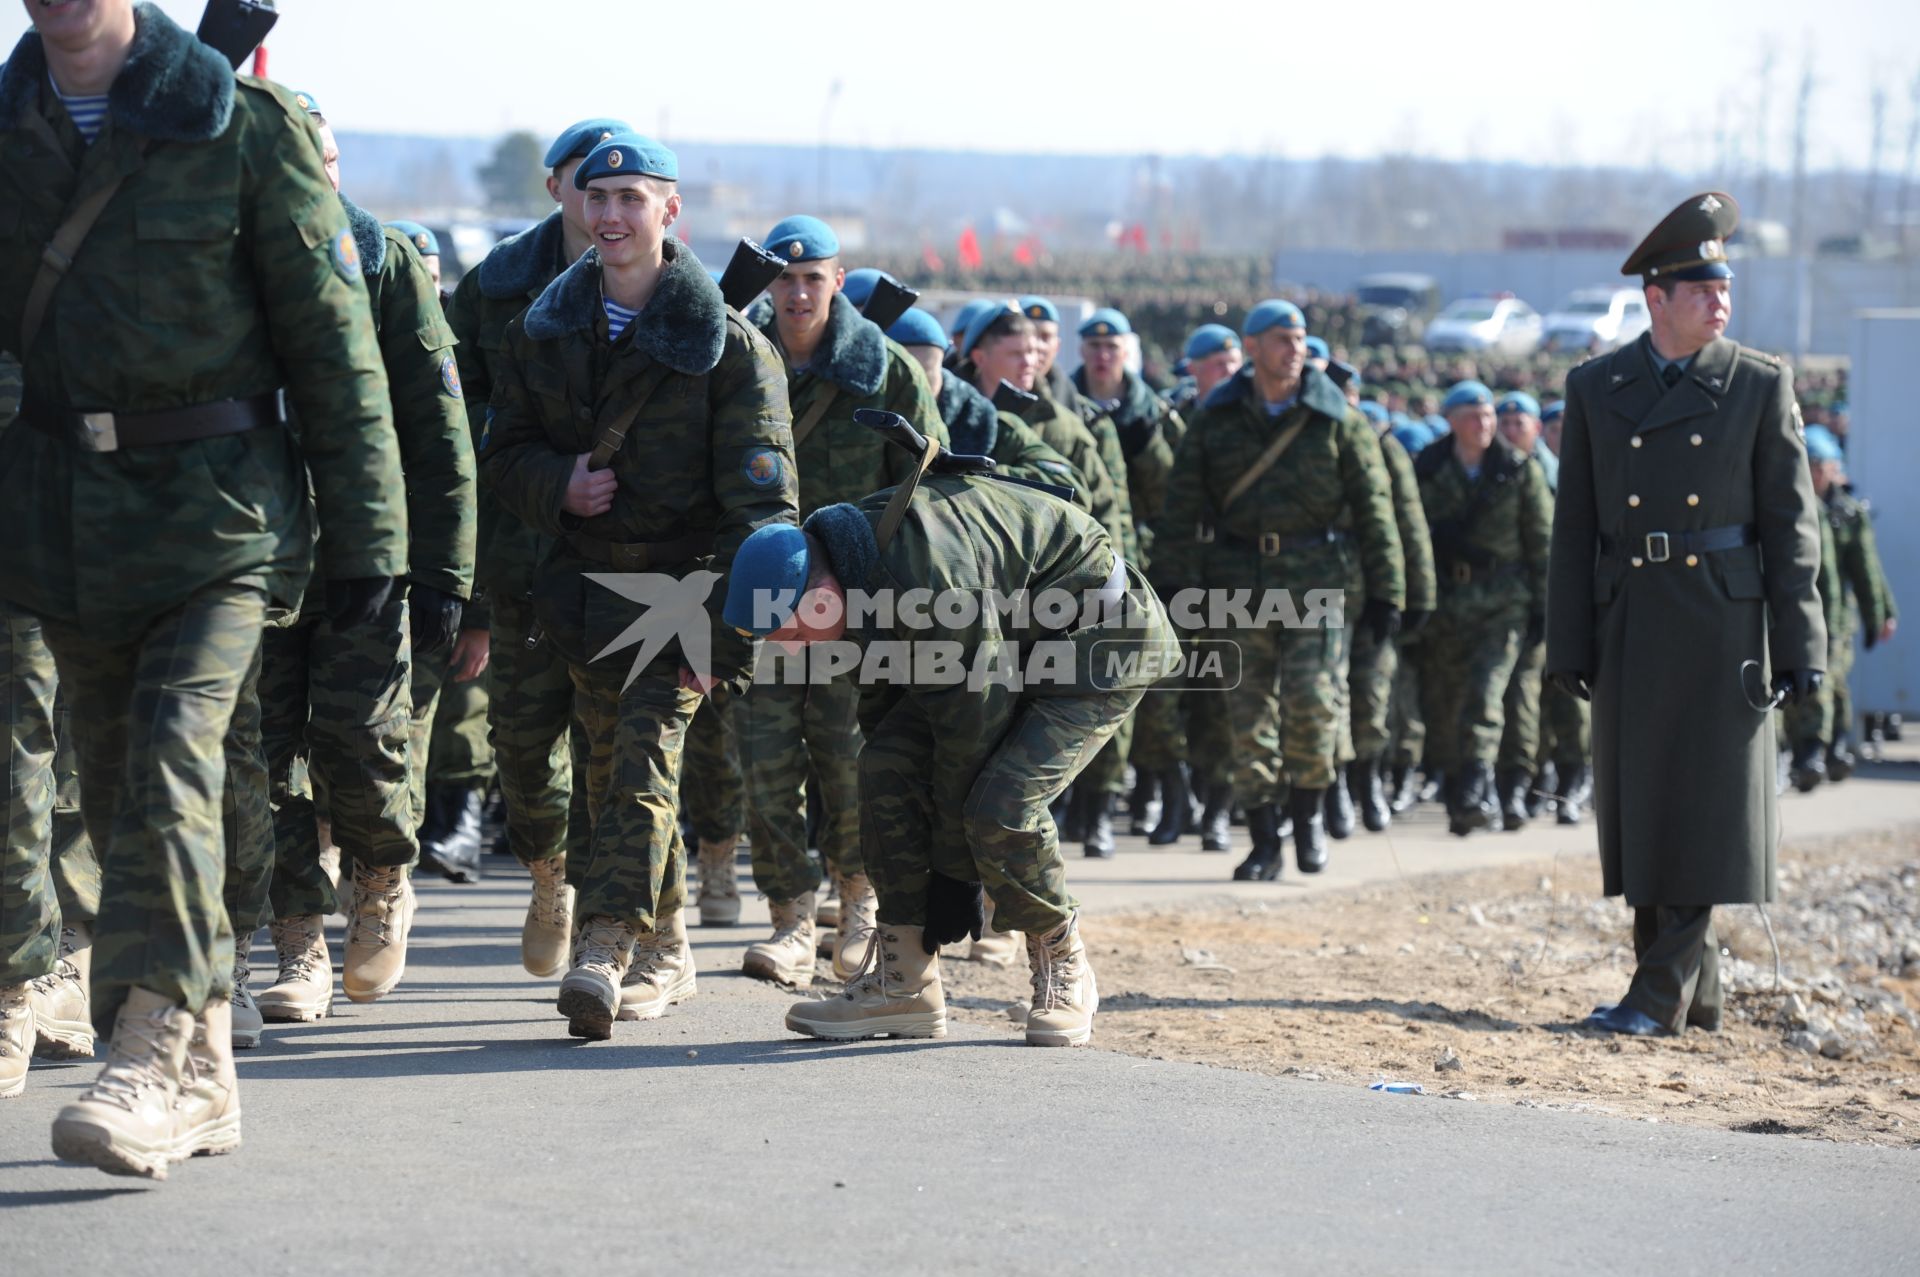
x=260, y=62
x=1023, y=251
x=968, y=250
x=930, y=259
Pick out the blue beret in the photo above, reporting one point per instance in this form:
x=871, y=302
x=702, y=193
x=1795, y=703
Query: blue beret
x=918, y=328
x=768, y=576
x=1822, y=445
x=978, y=325
x=627, y=155
x=577, y=139
x=1373, y=410
x=1211, y=339
x=1105, y=322
x=1040, y=310
x=802, y=239
x=423, y=239
x=1438, y=424
x=1553, y=411
x=1317, y=349
x=1518, y=401
x=1274, y=314
x=964, y=316
x=1839, y=406
x=1465, y=394
x=1413, y=435
x=859, y=284
x=308, y=103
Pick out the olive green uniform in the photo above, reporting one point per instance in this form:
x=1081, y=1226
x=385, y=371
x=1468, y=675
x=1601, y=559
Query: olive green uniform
x=1374, y=668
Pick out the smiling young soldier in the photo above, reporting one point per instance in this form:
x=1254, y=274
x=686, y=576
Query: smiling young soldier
x=1682, y=593
x=642, y=425
x=837, y=362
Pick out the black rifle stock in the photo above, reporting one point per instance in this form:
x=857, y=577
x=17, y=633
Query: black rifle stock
x=236, y=27
x=749, y=273
x=890, y=300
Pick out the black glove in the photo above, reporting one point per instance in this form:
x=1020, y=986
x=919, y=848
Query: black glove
x=1869, y=636
x=1572, y=682
x=1536, y=631
x=1797, y=685
x=1413, y=619
x=1383, y=618
x=357, y=600
x=955, y=911
x=435, y=618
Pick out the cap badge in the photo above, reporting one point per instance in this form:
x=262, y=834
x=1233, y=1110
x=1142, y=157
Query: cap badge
x=796, y=248
x=615, y=158
x=420, y=242
x=1710, y=205
x=1712, y=250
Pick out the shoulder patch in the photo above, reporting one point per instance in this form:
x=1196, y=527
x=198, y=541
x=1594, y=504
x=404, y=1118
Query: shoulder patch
x=346, y=256
x=450, y=376
x=763, y=468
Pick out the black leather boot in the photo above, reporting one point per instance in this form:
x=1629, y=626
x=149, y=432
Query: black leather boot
x=1309, y=829
x=1404, y=788
x=1216, y=822
x=1176, y=807
x=1143, y=802
x=1809, y=766
x=1364, y=775
x=1338, y=808
x=1572, y=794
x=1540, y=791
x=455, y=847
x=1263, y=864
x=1099, y=840
x=1433, y=786
x=1840, y=758
x=1473, y=805
x=1514, y=786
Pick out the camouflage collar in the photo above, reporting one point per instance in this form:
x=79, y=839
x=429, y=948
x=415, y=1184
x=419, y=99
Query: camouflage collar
x=172, y=89
x=683, y=325
x=973, y=423
x=368, y=236
x=846, y=534
x=526, y=263
x=1317, y=392
x=852, y=354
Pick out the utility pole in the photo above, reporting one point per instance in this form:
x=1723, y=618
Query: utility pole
x=1803, y=302
x=1877, y=106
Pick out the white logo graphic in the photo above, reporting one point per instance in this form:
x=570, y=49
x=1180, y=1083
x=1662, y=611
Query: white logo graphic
x=676, y=609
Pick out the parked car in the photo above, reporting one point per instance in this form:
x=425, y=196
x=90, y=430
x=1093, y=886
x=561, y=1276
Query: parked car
x=1504, y=324
x=1395, y=308
x=1597, y=319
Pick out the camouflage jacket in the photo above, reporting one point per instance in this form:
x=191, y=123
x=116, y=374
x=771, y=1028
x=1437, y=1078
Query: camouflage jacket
x=1148, y=429
x=1490, y=534
x=976, y=427
x=1833, y=592
x=1322, y=510
x=841, y=460
x=1410, y=519
x=429, y=417
x=1861, y=574
x=222, y=268
x=1063, y=430
x=710, y=456
x=1057, y=388
x=487, y=298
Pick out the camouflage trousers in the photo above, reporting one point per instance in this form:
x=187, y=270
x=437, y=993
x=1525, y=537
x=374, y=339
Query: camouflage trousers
x=1368, y=693
x=1567, y=738
x=1287, y=711
x=712, y=789
x=1407, y=730
x=428, y=674
x=150, y=715
x=787, y=725
x=48, y=873
x=1107, y=773
x=539, y=749
x=634, y=865
x=978, y=815
x=1520, y=733
x=459, y=748
x=1829, y=711
x=1183, y=726
x=247, y=813
x=1467, y=655
x=339, y=703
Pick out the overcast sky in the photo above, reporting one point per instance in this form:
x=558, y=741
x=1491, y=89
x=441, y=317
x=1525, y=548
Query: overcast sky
x=1538, y=81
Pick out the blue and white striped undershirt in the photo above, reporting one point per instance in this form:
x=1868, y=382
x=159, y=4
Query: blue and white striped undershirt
x=618, y=317
x=89, y=114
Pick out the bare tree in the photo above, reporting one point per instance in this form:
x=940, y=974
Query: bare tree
x=1877, y=106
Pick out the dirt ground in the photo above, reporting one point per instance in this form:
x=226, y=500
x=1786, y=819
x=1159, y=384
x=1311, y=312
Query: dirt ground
x=1471, y=985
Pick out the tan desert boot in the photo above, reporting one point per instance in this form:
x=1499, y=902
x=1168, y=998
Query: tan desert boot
x=549, y=924
x=62, y=1013
x=1064, y=994
x=123, y=1123
x=719, y=883
x=787, y=957
x=897, y=994
x=995, y=948
x=661, y=973
x=16, y=1039
x=379, y=919
x=858, y=907
x=304, y=989
x=248, y=1023
x=206, y=1115
x=590, y=993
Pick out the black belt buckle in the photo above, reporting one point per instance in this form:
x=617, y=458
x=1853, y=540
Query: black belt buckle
x=1462, y=572
x=1269, y=543
x=97, y=432
x=1659, y=547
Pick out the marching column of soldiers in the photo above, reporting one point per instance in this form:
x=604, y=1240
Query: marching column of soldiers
x=306, y=559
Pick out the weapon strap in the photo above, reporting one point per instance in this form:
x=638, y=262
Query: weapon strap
x=804, y=427
x=614, y=433
x=903, y=495
x=1264, y=462
x=56, y=257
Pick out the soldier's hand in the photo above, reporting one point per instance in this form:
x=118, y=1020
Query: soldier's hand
x=1872, y=636
x=1572, y=682
x=701, y=683
x=357, y=600
x=471, y=652
x=1797, y=685
x=1536, y=631
x=1382, y=618
x=589, y=492
x=434, y=618
x=955, y=911
x=1412, y=620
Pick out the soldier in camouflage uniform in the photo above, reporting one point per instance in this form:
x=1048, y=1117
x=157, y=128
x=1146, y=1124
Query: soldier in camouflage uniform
x=643, y=426
x=1517, y=417
x=1490, y=515
x=1566, y=743
x=837, y=362
x=713, y=796
x=956, y=779
x=155, y=617
x=1283, y=484
x=539, y=752
x=340, y=702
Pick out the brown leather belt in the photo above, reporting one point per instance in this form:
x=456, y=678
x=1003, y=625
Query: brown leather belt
x=113, y=431
x=635, y=555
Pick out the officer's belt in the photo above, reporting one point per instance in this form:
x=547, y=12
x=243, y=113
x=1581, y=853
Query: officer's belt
x=112, y=431
x=635, y=555
x=1272, y=543
x=1658, y=547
